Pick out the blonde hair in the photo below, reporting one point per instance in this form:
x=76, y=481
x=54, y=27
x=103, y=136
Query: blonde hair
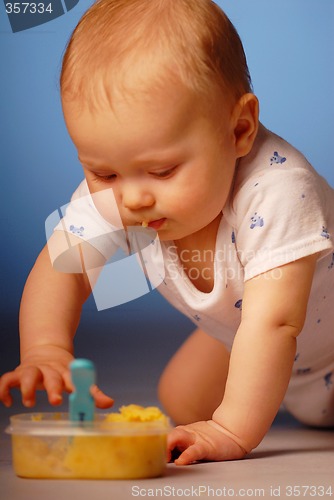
x=192, y=40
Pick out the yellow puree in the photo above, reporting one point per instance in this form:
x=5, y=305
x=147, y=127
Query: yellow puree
x=103, y=456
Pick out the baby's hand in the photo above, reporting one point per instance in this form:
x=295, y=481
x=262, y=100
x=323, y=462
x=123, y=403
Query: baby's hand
x=47, y=367
x=203, y=441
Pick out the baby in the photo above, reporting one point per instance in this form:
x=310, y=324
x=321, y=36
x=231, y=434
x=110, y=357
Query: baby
x=157, y=99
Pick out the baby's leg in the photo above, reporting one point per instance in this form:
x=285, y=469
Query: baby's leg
x=310, y=397
x=193, y=383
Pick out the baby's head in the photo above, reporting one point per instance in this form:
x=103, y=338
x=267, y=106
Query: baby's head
x=156, y=97
x=133, y=45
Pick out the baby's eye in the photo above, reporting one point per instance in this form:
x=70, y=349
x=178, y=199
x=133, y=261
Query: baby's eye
x=164, y=173
x=106, y=178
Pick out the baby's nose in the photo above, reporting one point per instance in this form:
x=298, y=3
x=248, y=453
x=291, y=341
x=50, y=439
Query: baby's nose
x=135, y=197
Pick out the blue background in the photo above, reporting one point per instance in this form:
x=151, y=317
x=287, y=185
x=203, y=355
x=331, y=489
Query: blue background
x=289, y=46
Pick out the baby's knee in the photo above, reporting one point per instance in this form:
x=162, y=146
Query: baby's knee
x=177, y=401
x=164, y=391
x=170, y=399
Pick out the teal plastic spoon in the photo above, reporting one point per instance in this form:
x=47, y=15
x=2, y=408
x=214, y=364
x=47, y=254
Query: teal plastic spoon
x=81, y=402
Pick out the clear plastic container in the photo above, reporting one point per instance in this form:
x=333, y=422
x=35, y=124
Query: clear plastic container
x=48, y=445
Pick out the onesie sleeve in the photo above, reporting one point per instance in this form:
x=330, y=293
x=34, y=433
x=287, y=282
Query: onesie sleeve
x=282, y=215
x=83, y=217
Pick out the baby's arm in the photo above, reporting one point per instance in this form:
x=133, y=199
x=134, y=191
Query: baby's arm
x=274, y=308
x=49, y=316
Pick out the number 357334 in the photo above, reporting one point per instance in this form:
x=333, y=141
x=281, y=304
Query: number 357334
x=28, y=8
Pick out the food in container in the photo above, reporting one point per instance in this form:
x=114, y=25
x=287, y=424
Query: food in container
x=130, y=444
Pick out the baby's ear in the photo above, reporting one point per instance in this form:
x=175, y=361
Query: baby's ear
x=246, y=122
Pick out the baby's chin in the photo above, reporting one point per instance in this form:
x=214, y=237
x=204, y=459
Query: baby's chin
x=174, y=235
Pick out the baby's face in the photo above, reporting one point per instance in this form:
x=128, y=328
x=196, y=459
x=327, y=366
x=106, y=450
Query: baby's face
x=167, y=162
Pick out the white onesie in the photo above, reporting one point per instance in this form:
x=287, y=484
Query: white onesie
x=280, y=210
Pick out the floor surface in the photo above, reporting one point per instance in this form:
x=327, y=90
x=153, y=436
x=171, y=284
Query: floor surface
x=292, y=461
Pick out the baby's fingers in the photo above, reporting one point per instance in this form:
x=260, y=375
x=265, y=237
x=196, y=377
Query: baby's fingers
x=27, y=380
x=30, y=377
x=55, y=384
x=179, y=439
x=190, y=455
x=7, y=381
x=33, y=378
x=101, y=400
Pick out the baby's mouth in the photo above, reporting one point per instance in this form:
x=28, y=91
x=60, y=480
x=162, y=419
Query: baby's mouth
x=154, y=224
